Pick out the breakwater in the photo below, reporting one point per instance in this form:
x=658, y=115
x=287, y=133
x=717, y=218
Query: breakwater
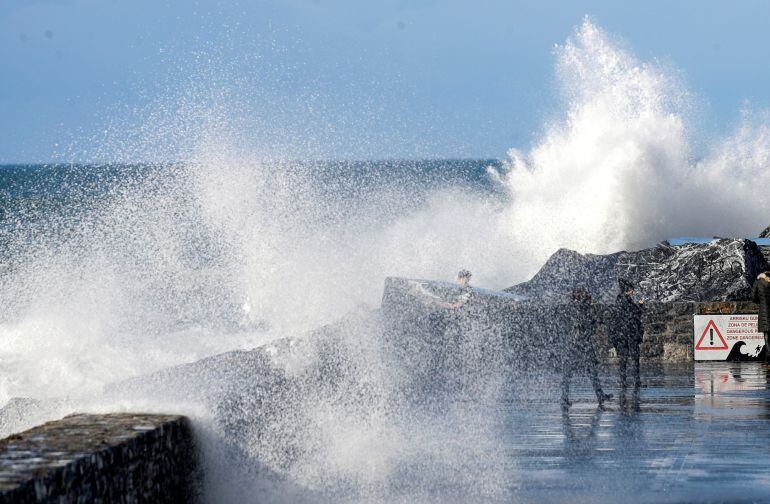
x=531, y=332
x=101, y=458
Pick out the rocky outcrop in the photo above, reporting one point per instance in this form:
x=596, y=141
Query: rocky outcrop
x=567, y=269
x=524, y=334
x=101, y=458
x=413, y=307
x=262, y=401
x=765, y=247
x=722, y=270
x=493, y=329
x=322, y=357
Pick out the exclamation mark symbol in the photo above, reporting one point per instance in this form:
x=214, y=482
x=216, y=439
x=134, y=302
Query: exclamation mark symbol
x=711, y=337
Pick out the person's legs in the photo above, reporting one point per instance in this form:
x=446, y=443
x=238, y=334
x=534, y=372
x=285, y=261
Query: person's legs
x=567, y=364
x=592, y=364
x=635, y=354
x=767, y=346
x=566, y=377
x=622, y=350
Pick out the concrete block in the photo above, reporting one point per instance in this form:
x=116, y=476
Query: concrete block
x=101, y=458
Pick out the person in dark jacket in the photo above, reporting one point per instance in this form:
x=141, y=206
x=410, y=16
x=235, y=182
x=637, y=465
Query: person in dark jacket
x=579, y=351
x=761, y=295
x=626, y=332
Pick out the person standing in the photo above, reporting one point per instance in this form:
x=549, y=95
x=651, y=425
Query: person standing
x=626, y=333
x=761, y=295
x=466, y=291
x=579, y=351
x=450, y=358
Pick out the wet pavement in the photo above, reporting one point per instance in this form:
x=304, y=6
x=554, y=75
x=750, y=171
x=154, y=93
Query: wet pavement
x=698, y=433
x=695, y=433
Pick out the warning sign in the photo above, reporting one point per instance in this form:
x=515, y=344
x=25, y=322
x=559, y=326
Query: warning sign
x=723, y=337
x=705, y=343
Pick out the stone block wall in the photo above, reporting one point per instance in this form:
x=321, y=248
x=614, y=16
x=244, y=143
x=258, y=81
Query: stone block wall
x=122, y=458
x=668, y=328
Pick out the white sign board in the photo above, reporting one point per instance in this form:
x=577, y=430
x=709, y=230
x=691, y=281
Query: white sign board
x=718, y=336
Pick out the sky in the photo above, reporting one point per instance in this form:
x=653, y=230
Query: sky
x=100, y=80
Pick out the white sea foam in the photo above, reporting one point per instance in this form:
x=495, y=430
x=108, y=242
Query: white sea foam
x=233, y=251
x=617, y=171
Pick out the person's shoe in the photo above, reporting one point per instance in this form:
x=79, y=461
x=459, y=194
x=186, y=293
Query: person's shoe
x=601, y=397
x=565, y=402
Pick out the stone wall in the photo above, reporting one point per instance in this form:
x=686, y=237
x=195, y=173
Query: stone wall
x=668, y=329
x=101, y=458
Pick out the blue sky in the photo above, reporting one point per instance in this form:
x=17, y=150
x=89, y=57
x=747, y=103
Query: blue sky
x=343, y=79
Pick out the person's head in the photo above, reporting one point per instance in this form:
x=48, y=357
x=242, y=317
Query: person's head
x=765, y=275
x=626, y=287
x=464, y=277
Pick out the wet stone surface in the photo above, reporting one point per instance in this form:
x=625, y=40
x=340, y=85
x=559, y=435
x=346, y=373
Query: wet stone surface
x=694, y=433
x=99, y=458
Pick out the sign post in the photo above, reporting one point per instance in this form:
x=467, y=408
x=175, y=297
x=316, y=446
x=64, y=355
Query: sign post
x=727, y=337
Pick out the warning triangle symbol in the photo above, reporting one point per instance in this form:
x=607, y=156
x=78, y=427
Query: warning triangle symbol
x=711, y=339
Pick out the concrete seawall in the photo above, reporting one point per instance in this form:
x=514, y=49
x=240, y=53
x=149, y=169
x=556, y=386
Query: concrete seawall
x=101, y=458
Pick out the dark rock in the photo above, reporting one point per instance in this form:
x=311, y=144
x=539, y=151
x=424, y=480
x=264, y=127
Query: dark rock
x=262, y=401
x=434, y=343
x=320, y=358
x=723, y=269
x=765, y=252
x=566, y=270
x=765, y=248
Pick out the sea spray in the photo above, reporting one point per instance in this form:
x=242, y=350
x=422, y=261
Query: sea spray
x=615, y=170
x=233, y=249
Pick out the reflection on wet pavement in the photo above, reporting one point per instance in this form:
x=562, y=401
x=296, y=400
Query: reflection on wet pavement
x=698, y=433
